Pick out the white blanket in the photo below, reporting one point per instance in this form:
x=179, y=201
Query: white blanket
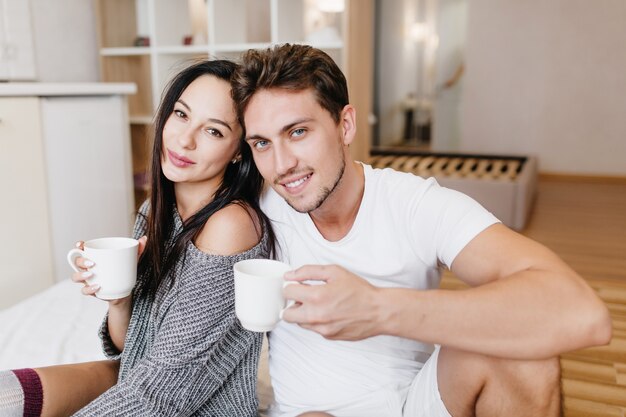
x=56, y=326
x=60, y=325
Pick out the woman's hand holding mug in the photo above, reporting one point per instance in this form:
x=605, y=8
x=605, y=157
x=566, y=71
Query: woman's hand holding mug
x=106, y=267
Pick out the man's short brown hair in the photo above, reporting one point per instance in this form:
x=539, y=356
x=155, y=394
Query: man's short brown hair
x=291, y=67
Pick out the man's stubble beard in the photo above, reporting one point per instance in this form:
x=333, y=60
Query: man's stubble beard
x=324, y=193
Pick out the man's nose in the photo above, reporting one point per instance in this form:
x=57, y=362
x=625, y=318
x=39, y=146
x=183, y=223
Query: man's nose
x=284, y=160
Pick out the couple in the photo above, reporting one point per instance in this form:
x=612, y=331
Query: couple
x=377, y=338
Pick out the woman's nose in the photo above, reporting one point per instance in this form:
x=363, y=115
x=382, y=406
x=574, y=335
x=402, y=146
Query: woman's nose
x=186, y=138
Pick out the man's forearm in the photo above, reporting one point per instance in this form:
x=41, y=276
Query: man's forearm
x=530, y=315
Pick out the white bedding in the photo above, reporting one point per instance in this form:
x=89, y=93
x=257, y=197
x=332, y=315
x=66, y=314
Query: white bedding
x=60, y=325
x=56, y=326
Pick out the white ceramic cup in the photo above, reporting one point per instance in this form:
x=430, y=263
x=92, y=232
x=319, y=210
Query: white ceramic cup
x=115, y=269
x=259, y=293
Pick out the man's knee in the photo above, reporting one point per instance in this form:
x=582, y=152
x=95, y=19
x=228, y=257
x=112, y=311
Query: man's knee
x=540, y=380
x=532, y=385
x=482, y=381
x=538, y=375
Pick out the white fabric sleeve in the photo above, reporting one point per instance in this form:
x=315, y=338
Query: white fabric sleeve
x=443, y=222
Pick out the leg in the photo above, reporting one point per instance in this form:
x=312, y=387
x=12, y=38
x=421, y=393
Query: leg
x=54, y=390
x=476, y=385
x=68, y=388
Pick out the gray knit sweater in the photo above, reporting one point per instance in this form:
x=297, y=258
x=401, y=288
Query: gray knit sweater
x=185, y=353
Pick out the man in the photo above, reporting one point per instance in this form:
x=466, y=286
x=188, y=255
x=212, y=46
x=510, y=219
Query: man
x=363, y=337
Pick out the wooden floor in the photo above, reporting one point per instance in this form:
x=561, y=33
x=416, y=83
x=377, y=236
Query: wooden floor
x=585, y=223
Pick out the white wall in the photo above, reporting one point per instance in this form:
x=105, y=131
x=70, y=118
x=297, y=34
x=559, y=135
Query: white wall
x=548, y=78
x=65, y=40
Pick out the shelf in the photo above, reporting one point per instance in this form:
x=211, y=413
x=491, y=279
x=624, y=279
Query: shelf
x=239, y=47
x=141, y=120
x=179, y=32
x=182, y=49
x=126, y=51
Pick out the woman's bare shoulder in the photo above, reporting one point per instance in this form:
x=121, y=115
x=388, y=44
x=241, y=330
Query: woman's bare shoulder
x=231, y=230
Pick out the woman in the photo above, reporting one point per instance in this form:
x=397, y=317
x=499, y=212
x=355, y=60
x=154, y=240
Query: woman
x=181, y=349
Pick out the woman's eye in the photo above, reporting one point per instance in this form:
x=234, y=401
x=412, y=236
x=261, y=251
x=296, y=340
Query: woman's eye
x=180, y=113
x=214, y=132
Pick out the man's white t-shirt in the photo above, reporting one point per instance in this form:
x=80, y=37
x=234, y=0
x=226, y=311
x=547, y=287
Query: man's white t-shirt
x=406, y=227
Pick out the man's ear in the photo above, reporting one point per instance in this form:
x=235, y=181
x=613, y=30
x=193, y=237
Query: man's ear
x=348, y=124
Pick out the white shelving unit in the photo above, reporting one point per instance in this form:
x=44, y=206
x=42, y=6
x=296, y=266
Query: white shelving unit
x=178, y=31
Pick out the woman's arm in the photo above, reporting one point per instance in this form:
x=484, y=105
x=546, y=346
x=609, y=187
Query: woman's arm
x=199, y=344
x=118, y=317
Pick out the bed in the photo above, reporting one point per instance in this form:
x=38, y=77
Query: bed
x=59, y=326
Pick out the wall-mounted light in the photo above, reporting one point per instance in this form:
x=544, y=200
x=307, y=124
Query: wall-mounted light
x=419, y=32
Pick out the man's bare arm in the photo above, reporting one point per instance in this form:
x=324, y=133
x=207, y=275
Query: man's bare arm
x=524, y=303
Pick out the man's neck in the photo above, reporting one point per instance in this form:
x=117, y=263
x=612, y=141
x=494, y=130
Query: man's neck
x=335, y=217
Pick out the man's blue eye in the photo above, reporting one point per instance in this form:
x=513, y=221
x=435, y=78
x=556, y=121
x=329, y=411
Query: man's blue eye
x=260, y=144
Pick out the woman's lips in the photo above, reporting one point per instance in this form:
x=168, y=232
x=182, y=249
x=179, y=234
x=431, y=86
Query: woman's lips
x=179, y=160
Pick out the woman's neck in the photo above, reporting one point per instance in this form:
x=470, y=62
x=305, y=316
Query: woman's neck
x=190, y=198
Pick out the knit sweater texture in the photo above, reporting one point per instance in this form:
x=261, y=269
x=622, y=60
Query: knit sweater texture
x=185, y=352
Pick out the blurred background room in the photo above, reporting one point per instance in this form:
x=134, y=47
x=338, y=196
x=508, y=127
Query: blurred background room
x=520, y=104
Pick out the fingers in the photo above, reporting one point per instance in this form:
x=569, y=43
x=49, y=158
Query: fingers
x=312, y=272
x=84, y=263
x=79, y=261
x=295, y=314
x=82, y=276
x=299, y=293
x=90, y=289
x=304, y=297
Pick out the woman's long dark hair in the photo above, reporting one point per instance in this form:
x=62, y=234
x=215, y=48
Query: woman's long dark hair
x=242, y=184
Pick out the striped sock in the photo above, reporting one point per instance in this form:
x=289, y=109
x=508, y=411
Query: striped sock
x=21, y=393
x=11, y=395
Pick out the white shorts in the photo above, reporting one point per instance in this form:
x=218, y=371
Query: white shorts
x=423, y=398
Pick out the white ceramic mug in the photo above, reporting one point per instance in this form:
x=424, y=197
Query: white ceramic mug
x=115, y=269
x=259, y=293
